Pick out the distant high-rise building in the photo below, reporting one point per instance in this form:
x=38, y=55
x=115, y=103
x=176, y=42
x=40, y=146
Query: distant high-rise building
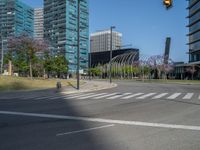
x=60, y=29
x=100, y=41
x=15, y=18
x=194, y=30
x=38, y=23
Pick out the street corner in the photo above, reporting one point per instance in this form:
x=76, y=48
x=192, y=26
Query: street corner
x=90, y=86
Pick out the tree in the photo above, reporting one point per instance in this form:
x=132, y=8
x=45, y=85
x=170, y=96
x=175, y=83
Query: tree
x=27, y=46
x=191, y=70
x=95, y=71
x=48, y=63
x=60, y=65
x=157, y=64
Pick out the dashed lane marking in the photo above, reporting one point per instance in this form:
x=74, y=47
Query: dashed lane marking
x=85, y=130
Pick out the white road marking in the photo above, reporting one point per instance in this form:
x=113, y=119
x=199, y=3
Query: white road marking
x=107, y=95
x=160, y=96
x=199, y=96
x=8, y=98
x=145, y=96
x=100, y=120
x=94, y=95
x=131, y=96
x=85, y=130
x=117, y=96
x=173, y=96
x=65, y=96
x=57, y=97
x=81, y=95
x=29, y=97
x=45, y=97
x=188, y=96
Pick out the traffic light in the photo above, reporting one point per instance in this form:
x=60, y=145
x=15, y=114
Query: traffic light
x=168, y=3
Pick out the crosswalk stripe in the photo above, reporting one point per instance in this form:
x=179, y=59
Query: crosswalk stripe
x=45, y=97
x=65, y=95
x=199, y=96
x=90, y=96
x=117, y=96
x=29, y=97
x=173, y=96
x=57, y=97
x=160, y=96
x=131, y=96
x=145, y=96
x=188, y=96
x=77, y=96
x=107, y=95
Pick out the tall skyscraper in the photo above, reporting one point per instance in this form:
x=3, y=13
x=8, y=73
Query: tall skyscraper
x=15, y=18
x=100, y=41
x=194, y=30
x=60, y=29
x=38, y=23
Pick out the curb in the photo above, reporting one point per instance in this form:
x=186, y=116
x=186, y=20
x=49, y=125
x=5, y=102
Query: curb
x=90, y=90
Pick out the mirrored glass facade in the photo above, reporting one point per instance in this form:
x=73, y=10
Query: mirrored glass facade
x=194, y=30
x=15, y=18
x=60, y=29
x=38, y=23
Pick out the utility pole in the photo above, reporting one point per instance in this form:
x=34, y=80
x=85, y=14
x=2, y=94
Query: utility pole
x=111, y=30
x=78, y=47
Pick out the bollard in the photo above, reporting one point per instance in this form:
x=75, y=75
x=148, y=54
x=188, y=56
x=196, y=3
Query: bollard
x=59, y=85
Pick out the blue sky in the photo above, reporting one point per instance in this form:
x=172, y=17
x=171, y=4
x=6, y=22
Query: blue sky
x=144, y=24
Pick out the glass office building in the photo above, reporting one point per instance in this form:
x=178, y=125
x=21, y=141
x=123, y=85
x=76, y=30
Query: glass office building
x=60, y=29
x=15, y=18
x=38, y=23
x=194, y=30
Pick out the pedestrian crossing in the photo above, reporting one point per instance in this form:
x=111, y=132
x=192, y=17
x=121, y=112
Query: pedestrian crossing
x=159, y=95
x=109, y=96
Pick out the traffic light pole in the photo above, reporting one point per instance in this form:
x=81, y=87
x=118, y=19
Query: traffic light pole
x=90, y=58
x=78, y=47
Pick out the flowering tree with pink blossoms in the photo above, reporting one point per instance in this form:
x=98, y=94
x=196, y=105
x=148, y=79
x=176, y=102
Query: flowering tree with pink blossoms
x=28, y=46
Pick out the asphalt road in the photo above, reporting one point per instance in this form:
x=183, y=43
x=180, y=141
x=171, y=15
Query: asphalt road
x=132, y=116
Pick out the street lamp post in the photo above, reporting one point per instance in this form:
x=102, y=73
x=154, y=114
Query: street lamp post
x=90, y=58
x=111, y=44
x=78, y=46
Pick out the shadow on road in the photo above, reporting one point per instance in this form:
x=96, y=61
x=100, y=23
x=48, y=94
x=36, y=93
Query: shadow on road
x=37, y=133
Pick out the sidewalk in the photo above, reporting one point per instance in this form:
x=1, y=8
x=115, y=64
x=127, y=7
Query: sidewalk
x=89, y=86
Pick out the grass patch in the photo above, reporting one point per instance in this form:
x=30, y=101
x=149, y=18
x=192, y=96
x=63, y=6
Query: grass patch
x=17, y=83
